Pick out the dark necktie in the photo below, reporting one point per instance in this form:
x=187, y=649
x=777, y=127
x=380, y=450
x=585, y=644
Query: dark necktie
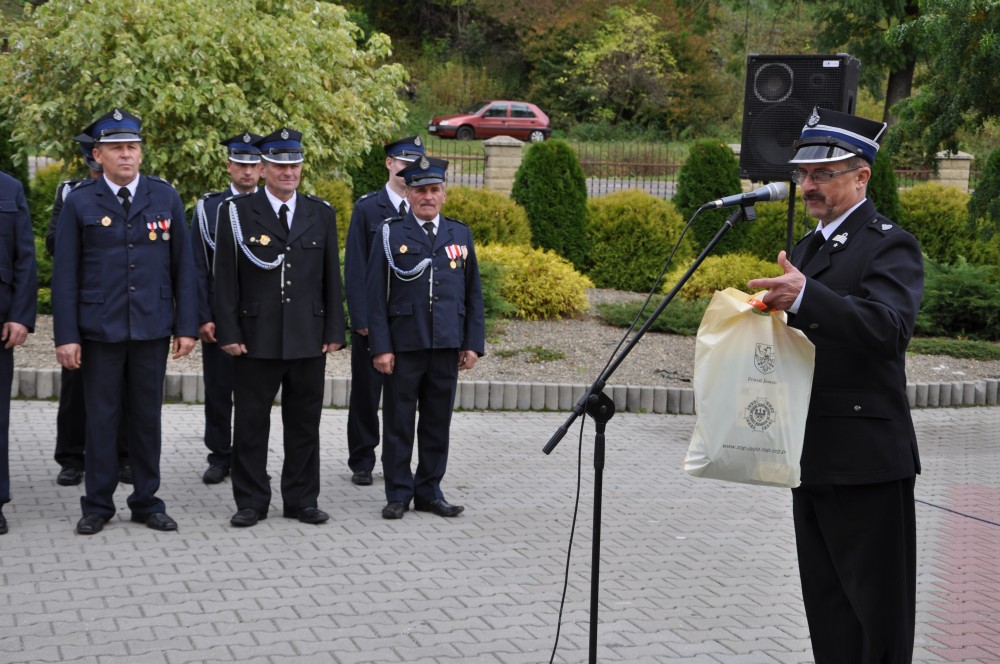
x=429, y=227
x=125, y=196
x=402, y=208
x=283, y=217
x=816, y=241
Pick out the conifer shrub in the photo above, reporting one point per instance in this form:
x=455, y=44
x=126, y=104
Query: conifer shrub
x=493, y=217
x=338, y=194
x=539, y=284
x=984, y=205
x=40, y=197
x=938, y=216
x=883, y=187
x=960, y=300
x=710, y=171
x=370, y=174
x=631, y=234
x=766, y=236
x=552, y=189
x=721, y=272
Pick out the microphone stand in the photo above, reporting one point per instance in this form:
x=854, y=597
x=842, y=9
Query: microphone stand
x=790, y=234
x=601, y=408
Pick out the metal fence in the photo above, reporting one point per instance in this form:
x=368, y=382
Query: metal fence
x=465, y=159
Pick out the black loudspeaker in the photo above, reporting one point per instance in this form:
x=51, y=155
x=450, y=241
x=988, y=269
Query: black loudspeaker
x=781, y=91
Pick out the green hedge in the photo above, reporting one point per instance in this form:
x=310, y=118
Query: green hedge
x=631, y=235
x=538, y=283
x=493, y=217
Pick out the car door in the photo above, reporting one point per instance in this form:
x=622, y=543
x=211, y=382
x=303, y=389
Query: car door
x=493, y=121
x=522, y=121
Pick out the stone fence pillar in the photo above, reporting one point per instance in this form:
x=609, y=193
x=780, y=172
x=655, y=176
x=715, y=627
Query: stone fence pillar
x=953, y=169
x=503, y=158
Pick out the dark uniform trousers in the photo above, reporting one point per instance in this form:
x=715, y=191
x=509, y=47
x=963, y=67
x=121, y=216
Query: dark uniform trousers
x=369, y=213
x=362, y=417
x=424, y=381
x=71, y=416
x=217, y=366
x=107, y=368
x=855, y=523
x=18, y=294
x=256, y=383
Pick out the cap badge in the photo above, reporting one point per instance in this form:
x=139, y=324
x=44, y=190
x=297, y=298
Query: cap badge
x=246, y=137
x=417, y=142
x=813, y=119
x=424, y=163
x=117, y=115
x=284, y=134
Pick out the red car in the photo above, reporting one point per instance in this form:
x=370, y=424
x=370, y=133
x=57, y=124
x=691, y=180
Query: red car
x=494, y=118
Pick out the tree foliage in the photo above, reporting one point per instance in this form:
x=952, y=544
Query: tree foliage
x=626, y=68
x=962, y=89
x=984, y=205
x=196, y=75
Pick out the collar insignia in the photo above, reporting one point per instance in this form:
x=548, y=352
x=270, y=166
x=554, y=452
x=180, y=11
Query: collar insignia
x=886, y=227
x=840, y=239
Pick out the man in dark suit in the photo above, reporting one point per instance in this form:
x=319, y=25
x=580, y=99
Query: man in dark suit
x=18, y=293
x=370, y=212
x=122, y=285
x=244, y=168
x=426, y=321
x=72, y=416
x=278, y=311
x=853, y=286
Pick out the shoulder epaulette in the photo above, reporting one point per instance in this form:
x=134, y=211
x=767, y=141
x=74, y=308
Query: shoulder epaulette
x=209, y=194
x=457, y=221
x=157, y=178
x=368, y=195
x=317, y=199
x=86, y=182
x=238, y=196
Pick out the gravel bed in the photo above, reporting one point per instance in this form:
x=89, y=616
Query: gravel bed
x=570, y=351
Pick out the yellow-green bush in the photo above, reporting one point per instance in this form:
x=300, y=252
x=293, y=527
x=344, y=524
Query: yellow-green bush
x=721, y=272
x=540, y=284
x=938, y=216
x=338, y=194
x=493, y=217
x=766, y=236
x=630, y=235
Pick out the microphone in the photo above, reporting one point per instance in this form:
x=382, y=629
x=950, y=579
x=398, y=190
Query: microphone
x=773, y=191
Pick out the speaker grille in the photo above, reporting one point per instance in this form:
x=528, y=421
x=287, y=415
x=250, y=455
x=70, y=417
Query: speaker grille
x=781, y=91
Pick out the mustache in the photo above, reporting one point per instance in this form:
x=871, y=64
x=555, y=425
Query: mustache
x=813, y=196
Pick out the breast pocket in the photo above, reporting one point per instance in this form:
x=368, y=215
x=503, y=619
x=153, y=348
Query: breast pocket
x=100, y=231
x=8, y=209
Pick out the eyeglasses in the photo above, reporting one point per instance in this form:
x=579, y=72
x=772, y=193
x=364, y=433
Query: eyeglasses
x=819, y=177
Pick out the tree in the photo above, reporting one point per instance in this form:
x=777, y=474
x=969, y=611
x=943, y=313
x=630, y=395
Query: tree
x=196, y=75
x=860, y=27
x=962, y=90
x=627, y=68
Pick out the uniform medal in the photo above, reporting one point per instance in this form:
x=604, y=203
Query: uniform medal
x=106, y=221
x=403, y=249
x=265, y=240
x=165, y=226
x=151, y=225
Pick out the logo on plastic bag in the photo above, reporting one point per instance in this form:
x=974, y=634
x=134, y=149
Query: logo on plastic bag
x=763, y=358
x=759, y=415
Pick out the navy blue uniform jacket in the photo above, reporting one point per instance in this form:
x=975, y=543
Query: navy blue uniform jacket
x=443, y=308
x=862, y=294
x=287, y=313
x=111, y=282
x=18, y=272
x=204, y=254
x=370, y=212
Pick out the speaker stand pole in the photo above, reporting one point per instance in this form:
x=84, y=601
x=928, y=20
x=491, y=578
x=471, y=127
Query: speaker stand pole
x=790, y=235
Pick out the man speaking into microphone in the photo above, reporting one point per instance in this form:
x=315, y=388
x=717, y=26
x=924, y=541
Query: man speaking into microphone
x=853, y=285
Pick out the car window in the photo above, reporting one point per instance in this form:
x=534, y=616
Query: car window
x=521, y=111
x=496, y=111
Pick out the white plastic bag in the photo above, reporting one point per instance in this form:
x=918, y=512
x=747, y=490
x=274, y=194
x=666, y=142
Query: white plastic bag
x=752, y=381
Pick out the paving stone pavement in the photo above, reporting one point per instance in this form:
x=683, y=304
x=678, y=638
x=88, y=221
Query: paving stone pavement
x=692, y=570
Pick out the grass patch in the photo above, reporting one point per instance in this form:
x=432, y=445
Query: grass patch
x=680, y=316
x=536, y=354
x=965, y=349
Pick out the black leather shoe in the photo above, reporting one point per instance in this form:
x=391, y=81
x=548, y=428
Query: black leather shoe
x=91, y=524
x=311, y=515
x=394, y=510
x=3, y=524
x=215, y=474
x=125, y=474
x=247, y=517
x=69, y=476
x=362, y=477
x=441, y=507
x=156, y=521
